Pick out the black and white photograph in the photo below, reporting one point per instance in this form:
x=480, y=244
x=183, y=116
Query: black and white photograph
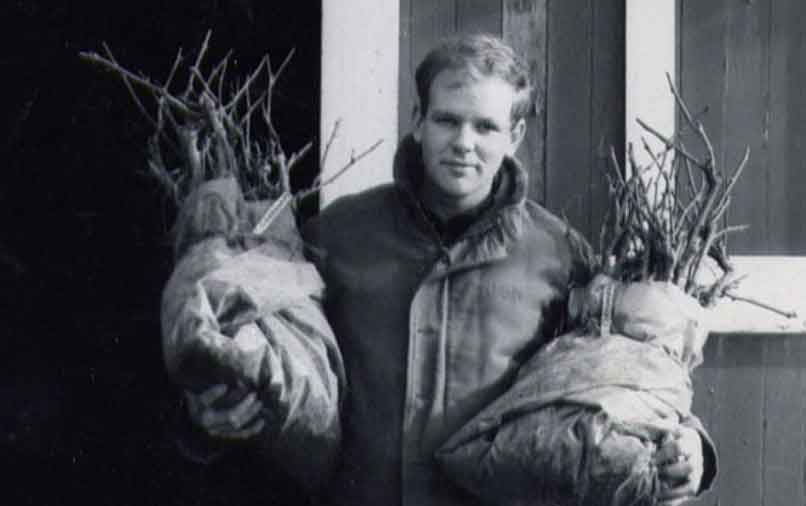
x=403, y=252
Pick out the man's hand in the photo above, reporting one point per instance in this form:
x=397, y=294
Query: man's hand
x=680, y=466
x=226, y=413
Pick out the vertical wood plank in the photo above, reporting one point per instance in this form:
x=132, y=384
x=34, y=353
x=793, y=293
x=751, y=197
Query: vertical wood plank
x=750, y=393
x=740, y=400
x=707, y=399
x=703, y=31
x=744, y=60
x=787, y=129
x=607, y=104
x=428, y=23
x=525, y=29
x=479, y=16
x=784, y=425
x=568, y=146
x=366, y=102
x=407, y=90
x=744, y=115
x=706, y=383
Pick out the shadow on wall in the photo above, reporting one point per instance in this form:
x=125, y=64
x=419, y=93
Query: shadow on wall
x=84, y=249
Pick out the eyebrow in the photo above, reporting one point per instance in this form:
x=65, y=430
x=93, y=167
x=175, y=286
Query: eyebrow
x=451, y=114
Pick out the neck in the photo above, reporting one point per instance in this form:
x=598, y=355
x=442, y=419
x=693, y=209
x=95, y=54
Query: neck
x=446, y=207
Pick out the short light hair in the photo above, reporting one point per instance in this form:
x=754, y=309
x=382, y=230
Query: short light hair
x=481, y=55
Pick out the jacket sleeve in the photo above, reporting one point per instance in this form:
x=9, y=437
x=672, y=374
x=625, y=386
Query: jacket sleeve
x=708, y=454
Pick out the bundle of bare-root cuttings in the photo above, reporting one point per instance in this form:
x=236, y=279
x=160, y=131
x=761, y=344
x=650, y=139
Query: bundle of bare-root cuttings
x=242, y=307
x=213, y=127
x=585, y=416
x=667, y=219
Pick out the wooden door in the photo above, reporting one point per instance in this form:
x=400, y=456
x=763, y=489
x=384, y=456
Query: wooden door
x=750, y=393
x=741, y=68
x=743, y=61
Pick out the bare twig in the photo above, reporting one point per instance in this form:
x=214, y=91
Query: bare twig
x=197, y=65
x=329, y=143
x=205, y=133
x=763, y=305
x=668, y=143
x=350, y=163
x=653, y=232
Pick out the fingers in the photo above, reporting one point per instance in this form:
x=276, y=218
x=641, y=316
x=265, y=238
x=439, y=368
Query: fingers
x=676, y=483
x=670, y=455
x=672, y=502
x=251, y=430
x=212, y=394
x=681, y=444
x=680, y=466
x=240, y=415
x=676, y=472
x=239, y=421
x=234, y=418
x=668, y=450
x=198, y=403
x=678, y=493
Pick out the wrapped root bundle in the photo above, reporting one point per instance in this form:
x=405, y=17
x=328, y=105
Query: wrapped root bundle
x=586, y=413
x=242, y=307
x=582, y=422
x=245, y=311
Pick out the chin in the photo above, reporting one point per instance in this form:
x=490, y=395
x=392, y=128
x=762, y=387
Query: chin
x=458, y=192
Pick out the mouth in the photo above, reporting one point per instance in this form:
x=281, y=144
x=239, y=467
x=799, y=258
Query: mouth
x=459, y=166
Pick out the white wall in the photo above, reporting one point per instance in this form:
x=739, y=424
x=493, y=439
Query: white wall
x=360, y=40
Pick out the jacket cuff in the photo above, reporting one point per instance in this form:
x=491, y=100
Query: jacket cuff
x=709, y=456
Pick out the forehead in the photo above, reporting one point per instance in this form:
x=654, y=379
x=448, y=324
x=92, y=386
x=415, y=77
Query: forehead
x=465, y=91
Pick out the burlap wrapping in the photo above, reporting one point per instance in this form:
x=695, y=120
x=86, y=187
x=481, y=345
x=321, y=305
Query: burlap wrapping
x=585, y=415
x=245, y=310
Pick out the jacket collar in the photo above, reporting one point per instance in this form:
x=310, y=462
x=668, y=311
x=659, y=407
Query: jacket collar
x=499, y=224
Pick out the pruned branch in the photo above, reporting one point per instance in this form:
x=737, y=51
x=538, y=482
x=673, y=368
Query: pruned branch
x=758, y=303
x=319, y=183
x=665, y=219
x=201, y=132
x=207, y=128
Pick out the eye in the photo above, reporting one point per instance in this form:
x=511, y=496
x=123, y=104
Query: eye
x=486, y=127
x=448, y=121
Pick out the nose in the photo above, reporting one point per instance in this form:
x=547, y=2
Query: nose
x=464, y=139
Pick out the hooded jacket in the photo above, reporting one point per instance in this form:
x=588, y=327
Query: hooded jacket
x=431, y=332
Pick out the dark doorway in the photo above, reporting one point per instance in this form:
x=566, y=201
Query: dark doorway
x=84, y=251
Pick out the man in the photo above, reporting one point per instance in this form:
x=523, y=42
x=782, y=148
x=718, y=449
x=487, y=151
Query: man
x=439, y=286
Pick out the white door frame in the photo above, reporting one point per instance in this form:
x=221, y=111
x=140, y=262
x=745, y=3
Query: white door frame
x=651, y=52
x=360, y=41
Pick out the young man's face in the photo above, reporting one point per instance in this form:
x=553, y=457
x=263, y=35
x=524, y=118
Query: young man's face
x=464, y=135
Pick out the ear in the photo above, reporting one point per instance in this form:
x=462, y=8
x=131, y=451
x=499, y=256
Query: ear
x=517, y=134
x=418, y=124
